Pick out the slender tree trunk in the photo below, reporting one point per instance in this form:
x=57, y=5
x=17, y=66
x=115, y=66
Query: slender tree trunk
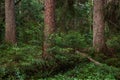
x=49, y=22
x=10, y=25
x=99, y=26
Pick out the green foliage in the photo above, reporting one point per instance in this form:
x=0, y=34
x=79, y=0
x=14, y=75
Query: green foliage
x=114, y=42
x=112, y=16
x=71, y=40
x=29, y=10
x=113, y=62
x=89, y=72
x=31, y=34
x=75, y=15
x=25, y=62
x=29, y=22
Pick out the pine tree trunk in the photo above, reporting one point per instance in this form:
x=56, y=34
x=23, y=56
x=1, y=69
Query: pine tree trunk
x=99, y=26
x=49, y=22
x=10, y=25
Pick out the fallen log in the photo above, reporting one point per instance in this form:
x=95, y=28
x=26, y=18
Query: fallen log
x=89, y=58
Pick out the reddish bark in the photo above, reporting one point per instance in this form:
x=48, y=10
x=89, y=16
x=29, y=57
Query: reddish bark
x=99, y=26
x=10, y=25
x=49, y=21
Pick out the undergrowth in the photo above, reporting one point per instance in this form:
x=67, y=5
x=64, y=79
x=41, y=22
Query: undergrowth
x=25, y=63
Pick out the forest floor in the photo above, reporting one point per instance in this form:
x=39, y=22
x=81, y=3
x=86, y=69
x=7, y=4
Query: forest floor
x=24, y=63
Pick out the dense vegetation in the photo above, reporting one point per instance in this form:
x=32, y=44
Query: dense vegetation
x=71, y=54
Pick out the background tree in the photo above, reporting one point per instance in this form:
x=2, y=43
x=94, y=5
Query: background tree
x=99, y=26
x=10, y=24
x=112, y=15
x=49, y=23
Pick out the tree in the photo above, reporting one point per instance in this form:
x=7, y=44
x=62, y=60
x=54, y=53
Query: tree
x=99, y=26
x=10, y=25
x=49, y=21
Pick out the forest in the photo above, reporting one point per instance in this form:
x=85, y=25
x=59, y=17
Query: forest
x=59, y=39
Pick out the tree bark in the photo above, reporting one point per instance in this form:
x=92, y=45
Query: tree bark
x=99, y=26
x=49, y=23
x=10, y=25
